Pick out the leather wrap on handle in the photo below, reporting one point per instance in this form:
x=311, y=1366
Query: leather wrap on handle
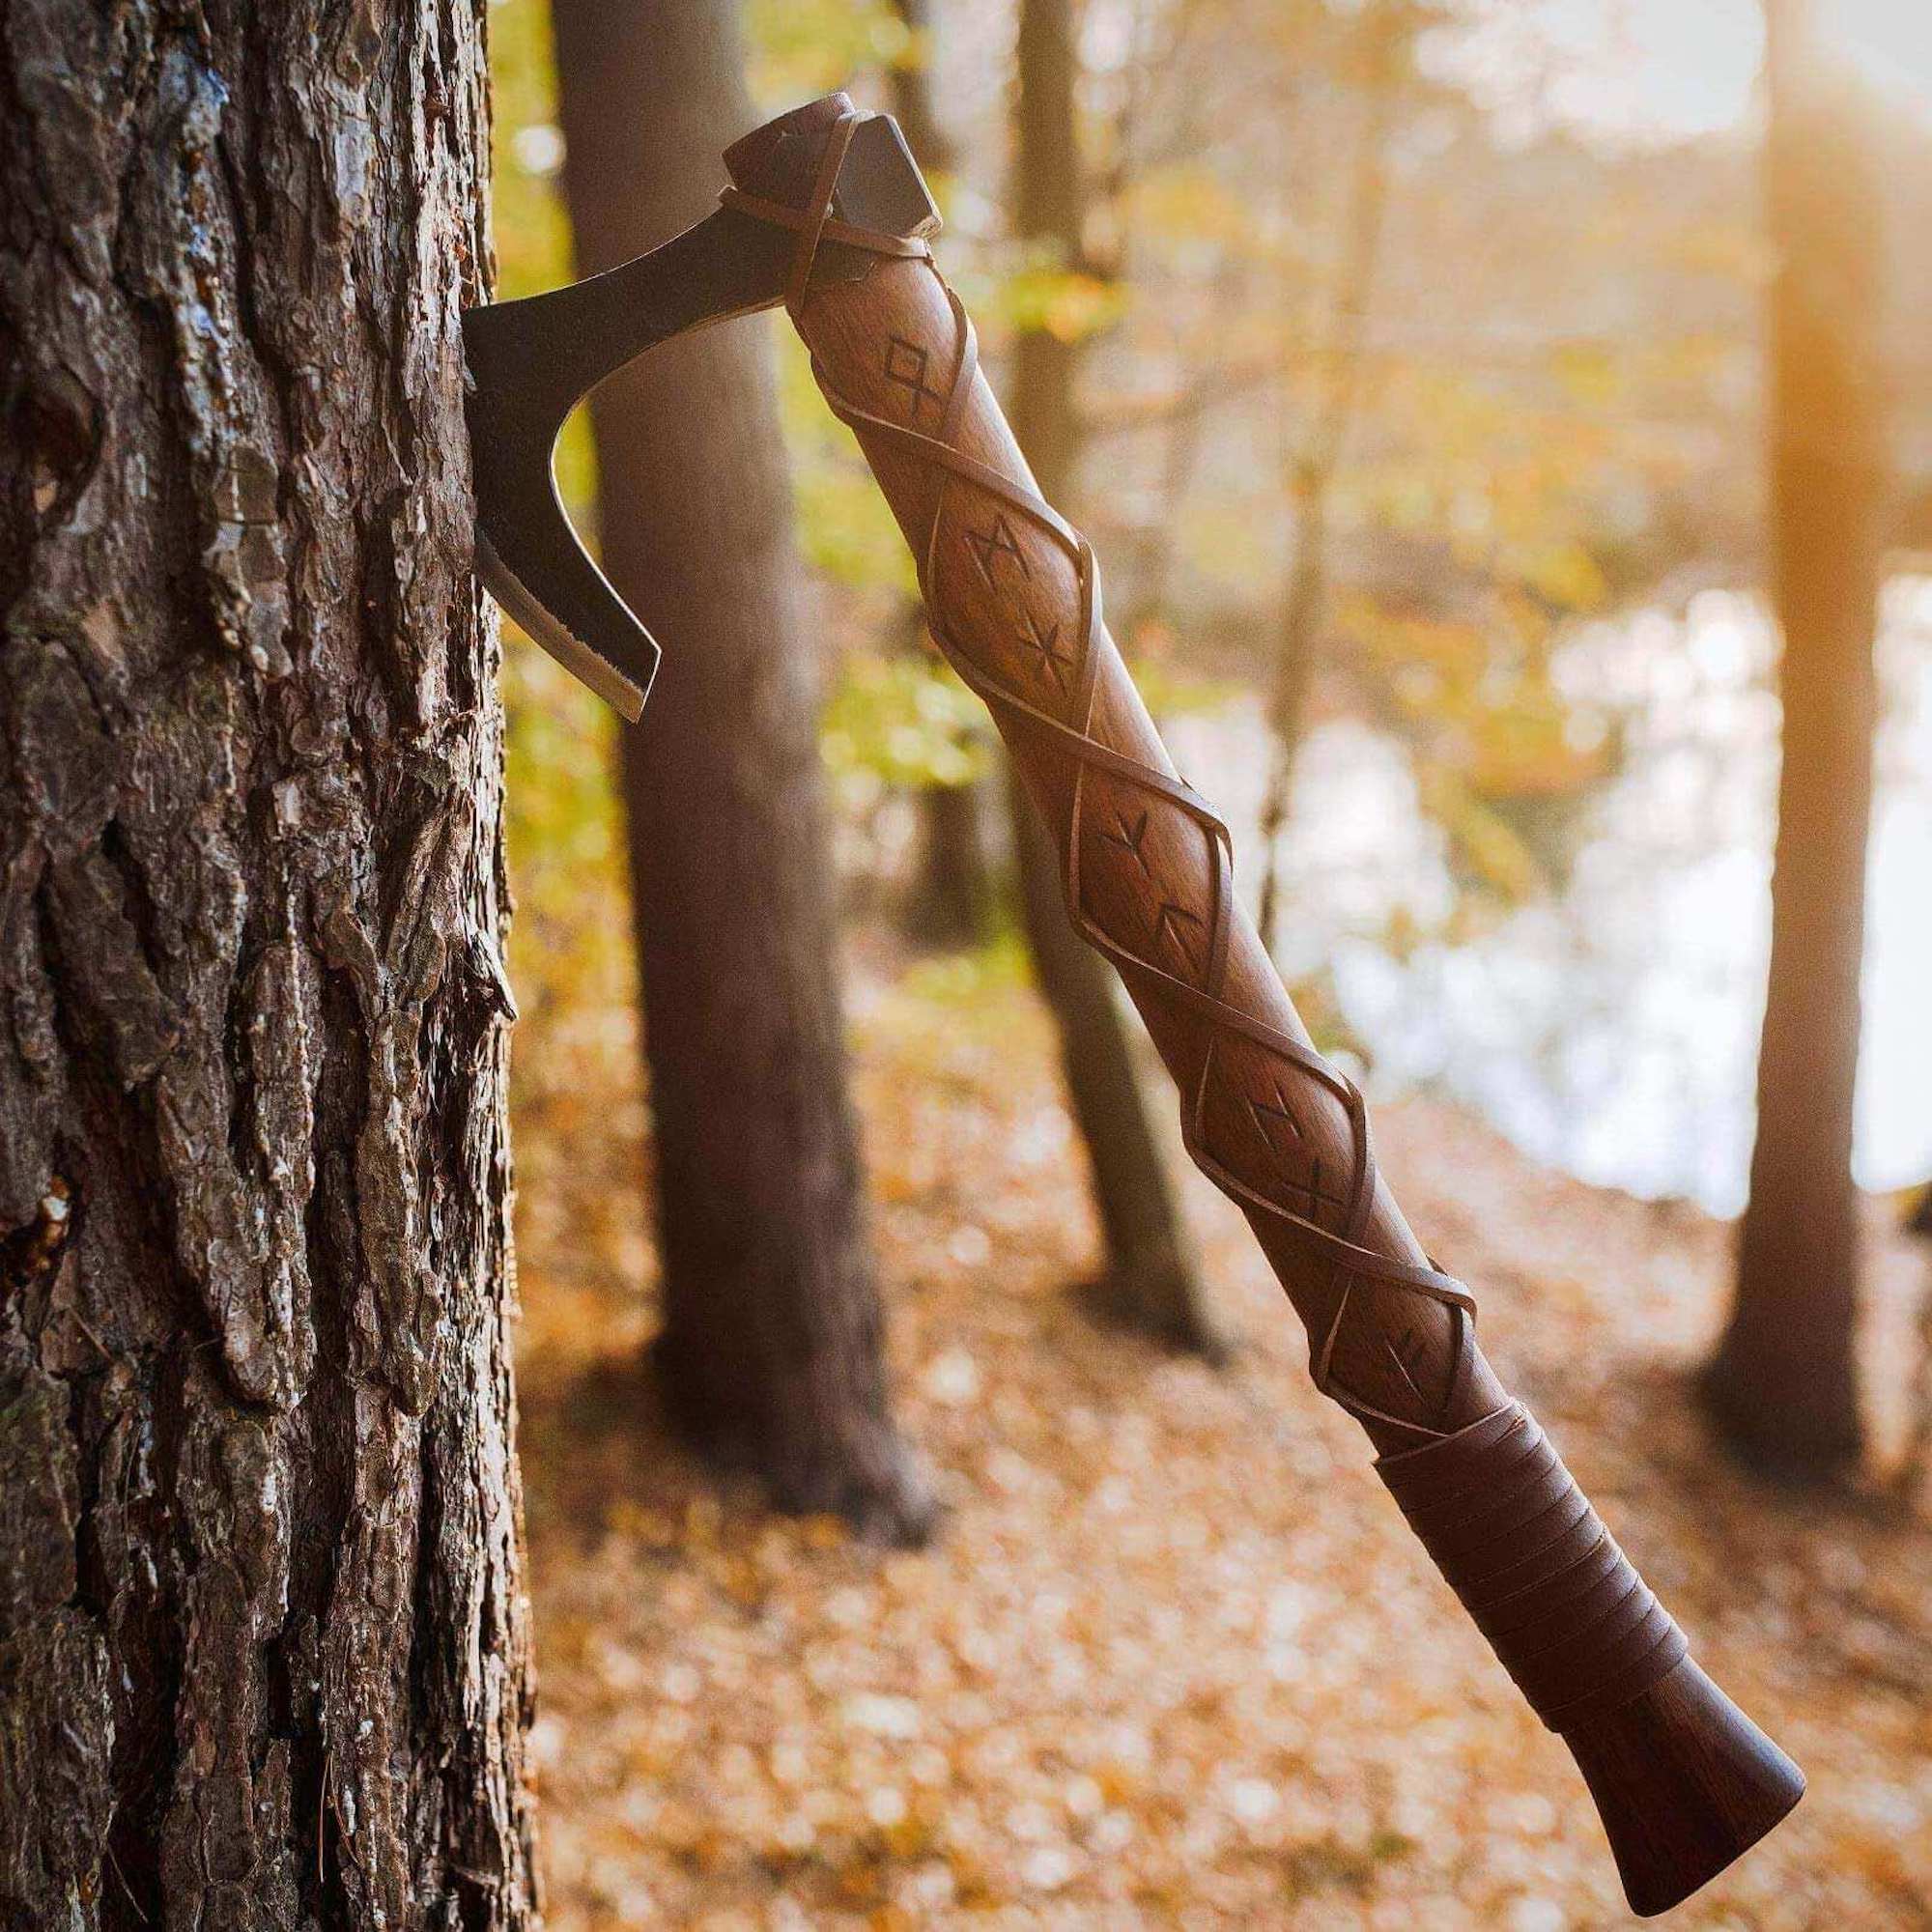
x=1013, y=600
x=1571, y=1620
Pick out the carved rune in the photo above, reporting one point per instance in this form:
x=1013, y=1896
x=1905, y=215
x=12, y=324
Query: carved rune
x=1309, y=1183
x=1131, y=839
x=999, y=541
x=1054, y=663
x=1264, y=1111
x=1168, y=923
x=1405, y=1354
x=906, y=365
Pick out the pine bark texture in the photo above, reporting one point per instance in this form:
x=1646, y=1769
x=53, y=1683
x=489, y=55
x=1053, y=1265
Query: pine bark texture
x=772, y=1349
x=264, y=1650
x=1150, y=1279
x=1784, y=1384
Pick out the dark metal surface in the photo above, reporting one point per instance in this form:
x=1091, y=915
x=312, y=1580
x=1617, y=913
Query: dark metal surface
x=531, y=363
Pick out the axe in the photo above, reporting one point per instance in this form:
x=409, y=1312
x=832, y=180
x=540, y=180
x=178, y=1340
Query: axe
x=827, y=214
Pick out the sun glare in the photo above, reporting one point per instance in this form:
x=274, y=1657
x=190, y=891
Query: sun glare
x=1892, y=43
x=1660, y=70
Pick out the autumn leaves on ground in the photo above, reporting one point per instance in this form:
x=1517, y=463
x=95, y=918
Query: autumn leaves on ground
x=1173, y=1659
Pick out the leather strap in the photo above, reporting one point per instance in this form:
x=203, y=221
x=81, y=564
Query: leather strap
x=1559, y=1602
x=814, y=223
x=1069, y=726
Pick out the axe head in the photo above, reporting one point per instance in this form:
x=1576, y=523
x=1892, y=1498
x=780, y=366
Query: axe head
x=531, y=363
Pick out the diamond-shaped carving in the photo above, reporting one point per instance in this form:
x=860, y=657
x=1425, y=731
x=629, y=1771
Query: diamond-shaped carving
x=1010, y=600
x=1148, y=868
x=905, y=368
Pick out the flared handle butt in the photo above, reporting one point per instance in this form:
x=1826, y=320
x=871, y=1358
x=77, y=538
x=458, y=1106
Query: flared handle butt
x=1685, y=1784
x=1684, y=1780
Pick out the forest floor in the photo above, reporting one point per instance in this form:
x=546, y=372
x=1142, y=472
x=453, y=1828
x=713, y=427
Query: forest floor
x=1173, y=1659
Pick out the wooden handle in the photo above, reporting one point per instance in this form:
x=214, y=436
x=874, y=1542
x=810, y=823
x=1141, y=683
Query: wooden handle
x=1684, y=1780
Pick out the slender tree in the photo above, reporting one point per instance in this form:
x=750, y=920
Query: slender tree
x=911, y=81
x=770, y=1347
x=953, y=899
x=264, y=1656
x=1915, y=1463
x=1382, y=31
x=1150, y=1276
x=1784, y=1384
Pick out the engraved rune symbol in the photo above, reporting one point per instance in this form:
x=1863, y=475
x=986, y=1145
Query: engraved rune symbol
x=1281, y=1111
x=1054, y=662
x=1310, y=1186
x=906, y=365
x=1129, y=839
x=999, y=541
x=1405, y=1354
x=1168, y=924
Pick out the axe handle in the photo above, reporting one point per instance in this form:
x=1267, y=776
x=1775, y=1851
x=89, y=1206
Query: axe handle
x=1685, y=1780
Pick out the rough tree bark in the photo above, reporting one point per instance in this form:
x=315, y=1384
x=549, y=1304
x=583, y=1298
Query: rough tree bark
x=1151, y=1279
x=263, y=1651
x=772, y=1347
x=1784, y=1384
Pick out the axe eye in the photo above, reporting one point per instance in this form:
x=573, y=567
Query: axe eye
x=880, y=186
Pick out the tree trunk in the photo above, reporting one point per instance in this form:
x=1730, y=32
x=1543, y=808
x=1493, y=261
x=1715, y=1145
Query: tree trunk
x=910, y=83
x=772, y=1346
x=1151, y=1278
x=1783, y=1383
x=952, y=902
x=264, y=1650
x=1304, y=612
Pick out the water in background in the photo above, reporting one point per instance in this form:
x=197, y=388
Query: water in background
x=1614, y=1031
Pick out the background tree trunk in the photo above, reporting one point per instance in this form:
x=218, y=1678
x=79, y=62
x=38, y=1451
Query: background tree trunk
x=913, y=103
x=1784, y=1384
x=264, y=1654
x=953, y=900
x=1382, y=32
x=772, y=1347
x=952, y=903
x=1151, y=1278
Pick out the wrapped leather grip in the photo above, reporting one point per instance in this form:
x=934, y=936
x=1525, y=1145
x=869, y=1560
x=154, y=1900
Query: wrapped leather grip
x=1518, y=1542
x=1684, y=1780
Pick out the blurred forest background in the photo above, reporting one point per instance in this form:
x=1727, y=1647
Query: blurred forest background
x=931, y=1517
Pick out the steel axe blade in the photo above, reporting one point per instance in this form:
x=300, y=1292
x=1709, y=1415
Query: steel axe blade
x=531, y=363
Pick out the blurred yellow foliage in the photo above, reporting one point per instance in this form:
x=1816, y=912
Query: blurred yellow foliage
x=800, y=48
